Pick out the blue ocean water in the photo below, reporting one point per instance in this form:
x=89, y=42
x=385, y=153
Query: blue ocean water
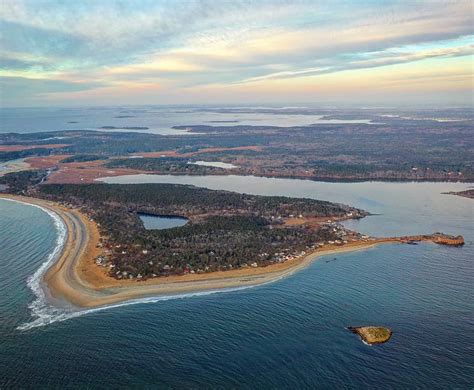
x=288, y=334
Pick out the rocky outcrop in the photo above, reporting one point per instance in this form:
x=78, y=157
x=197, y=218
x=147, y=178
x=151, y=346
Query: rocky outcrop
x=372, y=334
x=437, y=238
x=444, y=239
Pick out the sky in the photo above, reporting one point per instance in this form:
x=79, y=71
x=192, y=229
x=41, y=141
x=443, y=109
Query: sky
x=68, y=53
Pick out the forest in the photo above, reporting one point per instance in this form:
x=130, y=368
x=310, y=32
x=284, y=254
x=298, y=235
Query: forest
x=83, y=158
x=225, y=229
x=21, y=182
x=164, y=165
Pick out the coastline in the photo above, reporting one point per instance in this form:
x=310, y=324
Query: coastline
x=75, y=279
x=93, y=171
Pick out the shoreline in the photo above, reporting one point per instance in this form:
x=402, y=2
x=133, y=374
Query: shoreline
x=96, y=172
x=77, y=280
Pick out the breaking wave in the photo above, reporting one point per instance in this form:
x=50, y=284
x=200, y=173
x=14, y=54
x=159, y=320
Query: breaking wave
x=40, y=310
x=47, y=314
x=44, y=313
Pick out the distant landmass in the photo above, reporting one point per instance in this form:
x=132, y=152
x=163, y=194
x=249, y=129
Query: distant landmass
x=229, y=121
x=124, y=128
x=331, y=152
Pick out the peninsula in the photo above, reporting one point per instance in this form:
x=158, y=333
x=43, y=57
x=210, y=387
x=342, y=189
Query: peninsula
x=231, y=240
x=466, y=193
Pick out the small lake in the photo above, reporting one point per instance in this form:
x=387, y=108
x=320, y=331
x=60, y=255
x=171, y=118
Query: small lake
x=161, y=222
x=216, y=164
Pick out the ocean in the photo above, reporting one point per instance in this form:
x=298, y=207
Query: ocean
x=287, y=334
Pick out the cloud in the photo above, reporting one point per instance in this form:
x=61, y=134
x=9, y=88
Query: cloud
x=376, y=59
x=40, y=41
x=14, y=89
x=108, y=44
x=18, y=64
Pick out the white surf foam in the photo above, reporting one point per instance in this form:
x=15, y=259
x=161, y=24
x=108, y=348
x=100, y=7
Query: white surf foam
x=48, y=314
x=40, y=310
x=44, y=313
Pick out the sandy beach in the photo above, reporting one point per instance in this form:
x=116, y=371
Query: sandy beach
x=76, y=279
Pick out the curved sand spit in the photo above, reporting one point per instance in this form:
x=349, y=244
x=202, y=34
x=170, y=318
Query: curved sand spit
x=75, y=277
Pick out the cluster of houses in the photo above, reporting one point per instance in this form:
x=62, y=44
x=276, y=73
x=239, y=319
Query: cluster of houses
x=341, y=236
x=286, y=255
x=344, y=235
x=101, y=260
x=245, y=265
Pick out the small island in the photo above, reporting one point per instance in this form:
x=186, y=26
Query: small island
x=372, y=334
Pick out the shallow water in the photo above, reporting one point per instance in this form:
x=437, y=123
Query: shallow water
x=288, y=334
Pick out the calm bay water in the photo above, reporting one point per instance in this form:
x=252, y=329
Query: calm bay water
x=158, y=119
x=288, y=334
